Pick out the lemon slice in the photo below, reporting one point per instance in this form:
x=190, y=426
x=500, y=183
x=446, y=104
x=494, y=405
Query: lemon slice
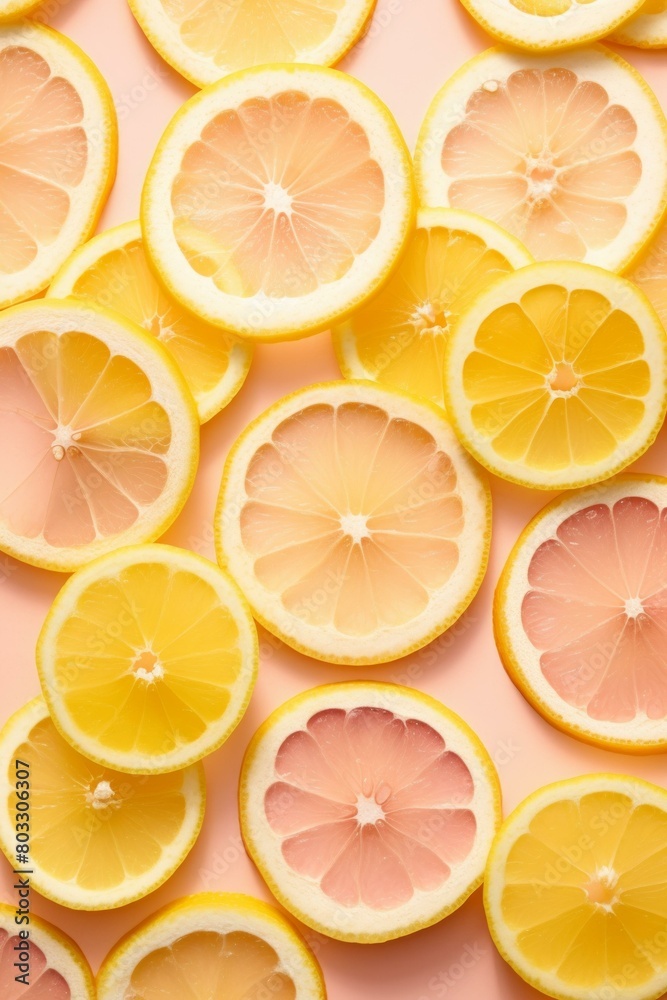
x=98, y=838
x=278, y=200
x=112, y=271
x=398, y=338
x=148, y=658
x=205, y=40
x=648, y=29
x=566, y=151
x=555, y=377
x=649, y=271
x=369, y=809
x=56, y=967
x=548, y=25
x=11, y=10
x=58, y=153
x=581, y=611
x=99, y=437
x=576, y=889
x=220, y=945
x=353, y=521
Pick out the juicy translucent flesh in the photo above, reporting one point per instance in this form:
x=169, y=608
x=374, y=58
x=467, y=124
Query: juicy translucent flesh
x=43, y=155
x=597, y=610
x=92, y=826
x=234, y=36
x=352, y=517
x=586, y=891
x=205, y=965
x=651, y=272
x=371, y=807
x=548, y=157
x=82, y=441
x=123, y=281
x=557, y=379
x=278, y=196
x=400, y=334
x=549, y=8
x=45, y=983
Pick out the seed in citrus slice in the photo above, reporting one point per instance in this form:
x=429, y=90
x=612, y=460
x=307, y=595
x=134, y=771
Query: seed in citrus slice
x=398, y=337
x=649, y=271
x=368, y=809
x=57, y=968
x=98, y=838
x=647, y=29
x=99, y=437
x=567, y=151
x=212, y=946
x=576, y=889
x=206, y=40
x=148, y=658
x=353, y=521
x=112, y=271
x=581, y=611
x=58, y=153
x=278, y=200
x=555, y=377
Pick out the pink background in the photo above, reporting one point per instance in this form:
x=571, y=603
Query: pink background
x=413, y=46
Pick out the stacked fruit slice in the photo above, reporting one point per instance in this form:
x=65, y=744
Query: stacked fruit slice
x=54, y=966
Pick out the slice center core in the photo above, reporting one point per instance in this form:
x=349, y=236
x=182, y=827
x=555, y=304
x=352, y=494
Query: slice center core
x=102, y=796
x=147, y=667
x=563, y=380
x=355, y=525
x=633, y=607
x=369, y=810
x=276, y=197
x=602, y=887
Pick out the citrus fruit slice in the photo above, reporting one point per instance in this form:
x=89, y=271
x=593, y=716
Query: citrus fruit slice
x=11, y=10
x=148, y=658
x=576, y=889
x=567, y=151
x=368, y=809
x=278, y=200
x=55, y=967
x=548, y=25
x=398, y=337
x=112, y=271
x=555, y=377
x=212, y=945
x=581, y=611
x=98, y=838
x=649, y=271
x=353, y=521
x=99, y=437
x=648, y=29
x=57, y=154
x=205, y=40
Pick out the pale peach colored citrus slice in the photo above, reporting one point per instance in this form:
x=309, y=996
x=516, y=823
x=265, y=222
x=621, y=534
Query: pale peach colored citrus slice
x=649, y=271
x=278, y=200
x=353, y=521
x=99, y=436
x=58, y=148
x=581, y=613
x=647, y=29
x=212, y=946
x=56, y=967
x=369, y=809
x=566, y=151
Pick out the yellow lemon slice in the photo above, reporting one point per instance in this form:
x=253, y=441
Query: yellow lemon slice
x=398, y=337
x=648, y=29
x=98, y=838
x=112, y=271
x=566, y=151
x=46, y=963
x=556, y=376
x=576, y=889
x=11, y=10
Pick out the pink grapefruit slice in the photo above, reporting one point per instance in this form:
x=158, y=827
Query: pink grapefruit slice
x=57, y=968
x=369, y=809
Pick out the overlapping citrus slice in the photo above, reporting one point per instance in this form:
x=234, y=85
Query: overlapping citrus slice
x=353, y=521
x=44, y=964
x=213, y=945
x=648, y=29
x=148, y=658
x=398, y=338
x=581, y=612
x=112, y=271
x=566, y=151
x=576, y=889
x=206, y=40
x=11, y=10
x=556, y=376
x=57, y=153
x=98, y=838
x=99, y=436
x=649, y=271
x=369, y=809
x=278, y=200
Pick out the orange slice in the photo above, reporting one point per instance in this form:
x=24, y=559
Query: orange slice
x=648, y=29
x=353, y=521
x=56, y=967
